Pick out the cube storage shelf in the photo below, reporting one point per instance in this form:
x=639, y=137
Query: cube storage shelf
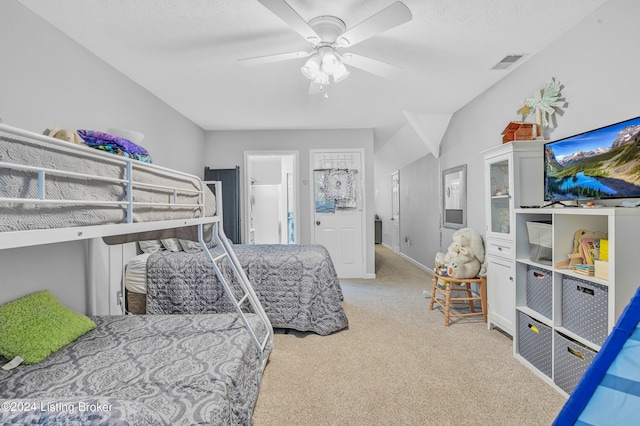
x=564, y=317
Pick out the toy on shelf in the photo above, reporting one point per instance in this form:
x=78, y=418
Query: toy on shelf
x=586, y=249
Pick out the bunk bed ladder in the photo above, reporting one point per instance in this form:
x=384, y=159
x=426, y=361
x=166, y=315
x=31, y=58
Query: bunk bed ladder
x=248, y=294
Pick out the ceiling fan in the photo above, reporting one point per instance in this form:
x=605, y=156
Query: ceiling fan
x=327, y=34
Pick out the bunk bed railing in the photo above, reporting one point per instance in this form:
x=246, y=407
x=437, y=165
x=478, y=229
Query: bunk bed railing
x=128, y=225
x=188, y=194
x=129, y=183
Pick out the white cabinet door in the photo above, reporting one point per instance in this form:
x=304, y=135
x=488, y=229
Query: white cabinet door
x=501, y=293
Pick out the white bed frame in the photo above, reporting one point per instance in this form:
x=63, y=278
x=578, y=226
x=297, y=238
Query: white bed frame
x=25, y=238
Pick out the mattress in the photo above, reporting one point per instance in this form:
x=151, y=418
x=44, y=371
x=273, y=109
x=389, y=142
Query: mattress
x=84, y=187
x=192, y=369
x=296, y=284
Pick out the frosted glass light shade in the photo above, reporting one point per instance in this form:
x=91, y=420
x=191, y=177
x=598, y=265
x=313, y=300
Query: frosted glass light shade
x=321, y=78
x=341, y=73
x=311, y=68
x=330, y=63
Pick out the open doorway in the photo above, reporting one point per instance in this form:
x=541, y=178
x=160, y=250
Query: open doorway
x=271, y=197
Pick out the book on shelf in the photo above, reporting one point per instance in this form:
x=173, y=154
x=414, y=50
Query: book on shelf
x=604, y=249
x=583, y=269
x=590, y=249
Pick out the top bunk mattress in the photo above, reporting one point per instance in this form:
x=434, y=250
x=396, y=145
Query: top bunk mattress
x=46, y=183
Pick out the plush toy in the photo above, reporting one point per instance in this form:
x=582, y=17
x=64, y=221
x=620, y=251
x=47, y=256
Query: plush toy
x=468, y=237
x=464, y=257
x=63, y=134
x=463, y=265
x=441, y=264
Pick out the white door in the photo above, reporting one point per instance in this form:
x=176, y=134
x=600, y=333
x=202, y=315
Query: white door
x=395, y=211
x=266, y=214
x=338, y=206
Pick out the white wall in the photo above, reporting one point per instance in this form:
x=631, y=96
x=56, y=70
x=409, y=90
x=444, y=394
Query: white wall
x=597, y=63
x=225, y=149
x=48, y=80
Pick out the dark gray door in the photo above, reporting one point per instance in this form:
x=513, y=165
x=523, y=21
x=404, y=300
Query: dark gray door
x=230, y=179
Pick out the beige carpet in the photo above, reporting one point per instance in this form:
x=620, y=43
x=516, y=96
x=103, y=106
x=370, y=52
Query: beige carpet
x=398, y=364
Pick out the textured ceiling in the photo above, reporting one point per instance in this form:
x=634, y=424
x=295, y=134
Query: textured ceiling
x=186, y=53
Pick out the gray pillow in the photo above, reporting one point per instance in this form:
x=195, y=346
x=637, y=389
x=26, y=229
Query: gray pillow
x=172, y=244
x=150, y=246
x=191, y=246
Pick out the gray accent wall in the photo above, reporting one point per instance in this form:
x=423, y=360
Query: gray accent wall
x=420, y=216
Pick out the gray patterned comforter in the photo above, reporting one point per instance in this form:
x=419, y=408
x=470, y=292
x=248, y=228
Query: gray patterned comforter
x=296, y=284
x=170, y=369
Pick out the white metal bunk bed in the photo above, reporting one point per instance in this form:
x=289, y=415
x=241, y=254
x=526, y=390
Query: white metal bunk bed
x=125, y=203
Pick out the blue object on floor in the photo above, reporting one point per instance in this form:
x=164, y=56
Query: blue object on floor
x=609, y=391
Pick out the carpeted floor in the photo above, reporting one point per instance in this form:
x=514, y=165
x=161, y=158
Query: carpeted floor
x=397, y=364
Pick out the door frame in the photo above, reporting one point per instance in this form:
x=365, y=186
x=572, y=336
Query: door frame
x=246, y=202
x=363, y=197
x=395, y=222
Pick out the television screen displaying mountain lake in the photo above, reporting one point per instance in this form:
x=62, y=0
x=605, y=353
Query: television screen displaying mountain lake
x=581, y=180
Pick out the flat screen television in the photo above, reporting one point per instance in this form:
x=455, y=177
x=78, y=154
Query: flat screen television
x=599, y=164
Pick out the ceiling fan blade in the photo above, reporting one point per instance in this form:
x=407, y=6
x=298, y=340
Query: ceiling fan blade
x=389, y=17
x=315, y=88
x=372, y=66
x=282, y=10
x=260, y=60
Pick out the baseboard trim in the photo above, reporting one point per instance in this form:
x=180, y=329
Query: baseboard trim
x=418, y=264
x=415, y=262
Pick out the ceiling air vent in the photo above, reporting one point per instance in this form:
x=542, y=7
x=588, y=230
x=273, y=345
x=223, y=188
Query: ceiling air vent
x=507, y=61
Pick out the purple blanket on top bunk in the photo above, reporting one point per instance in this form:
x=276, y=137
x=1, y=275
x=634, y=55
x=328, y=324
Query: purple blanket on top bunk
x=114, y=144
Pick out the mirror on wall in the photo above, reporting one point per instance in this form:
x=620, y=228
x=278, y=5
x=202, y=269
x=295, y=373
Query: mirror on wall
x=454, y=197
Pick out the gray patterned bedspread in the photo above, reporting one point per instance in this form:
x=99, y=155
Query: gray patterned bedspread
x=169, y=369
x=296, y=284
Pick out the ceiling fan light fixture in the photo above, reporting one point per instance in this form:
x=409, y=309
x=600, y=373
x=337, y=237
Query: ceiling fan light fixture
x=312, y=67
x=329, y=61
x=321, y=79
x=341, y=73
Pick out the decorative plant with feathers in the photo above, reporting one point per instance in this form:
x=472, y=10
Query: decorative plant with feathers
x=544, y=103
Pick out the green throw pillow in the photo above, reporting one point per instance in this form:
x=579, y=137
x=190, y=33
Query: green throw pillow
x=37, y=325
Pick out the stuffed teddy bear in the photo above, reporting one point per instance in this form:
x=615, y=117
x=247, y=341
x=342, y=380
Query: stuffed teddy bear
x=463, y=265
x=63, y=134
x=441, y=264
x=464, y=257
x=468, y=237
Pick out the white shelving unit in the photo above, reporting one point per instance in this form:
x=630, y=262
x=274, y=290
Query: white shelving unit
x=558, y=349
x=513, y=177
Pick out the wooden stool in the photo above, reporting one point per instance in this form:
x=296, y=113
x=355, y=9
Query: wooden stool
x=443, y=285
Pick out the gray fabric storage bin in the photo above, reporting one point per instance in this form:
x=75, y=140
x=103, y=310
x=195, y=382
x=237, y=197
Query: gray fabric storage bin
x=570, y=362
x=539, y=291
x=535, y=343
x=585, y=309
x=540, y=242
